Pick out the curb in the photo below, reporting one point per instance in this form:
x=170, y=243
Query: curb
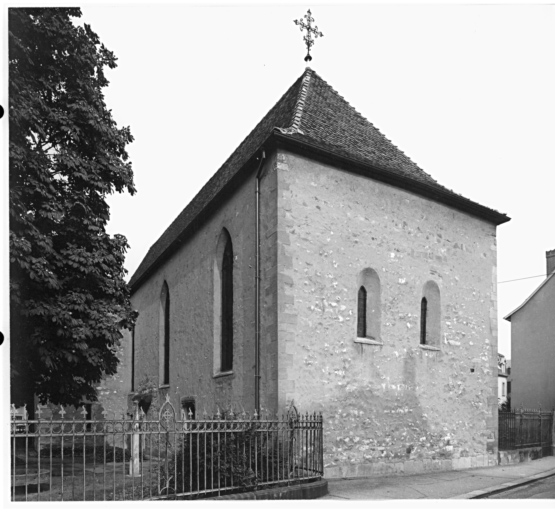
x=489, y=491
x=309, y=491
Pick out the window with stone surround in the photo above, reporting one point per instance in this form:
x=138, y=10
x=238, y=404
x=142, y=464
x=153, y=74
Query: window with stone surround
x=223, y=305
x=164, y=336
x=430, y=315
x=361, y=309
x=368, y=307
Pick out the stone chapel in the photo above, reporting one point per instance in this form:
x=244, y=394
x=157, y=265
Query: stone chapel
x=321, y=267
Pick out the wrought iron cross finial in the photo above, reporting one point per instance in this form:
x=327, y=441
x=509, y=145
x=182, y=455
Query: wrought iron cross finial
x=310, y=31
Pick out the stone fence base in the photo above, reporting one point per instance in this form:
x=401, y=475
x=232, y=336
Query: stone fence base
x=507, y=457
x=408, y=467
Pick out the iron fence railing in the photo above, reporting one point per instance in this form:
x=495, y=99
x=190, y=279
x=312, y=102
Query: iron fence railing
x=165, y=457
x=525, y=428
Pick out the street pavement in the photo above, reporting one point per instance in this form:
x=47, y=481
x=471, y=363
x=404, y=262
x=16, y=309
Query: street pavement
x=472, y=483
x=539, y=490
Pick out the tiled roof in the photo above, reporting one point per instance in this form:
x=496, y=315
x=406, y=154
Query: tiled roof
x=328, y=120
x=312, y=113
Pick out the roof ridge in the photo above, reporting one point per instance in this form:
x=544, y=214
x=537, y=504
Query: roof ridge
x=299, y=106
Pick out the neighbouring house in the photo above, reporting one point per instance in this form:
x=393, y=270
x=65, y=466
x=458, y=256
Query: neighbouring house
x=502, y=381
x=509, y=381
x=533, y=345
x=321, y=267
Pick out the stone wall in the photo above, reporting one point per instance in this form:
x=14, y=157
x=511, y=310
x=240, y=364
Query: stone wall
x=389, y=404
x=189, y=273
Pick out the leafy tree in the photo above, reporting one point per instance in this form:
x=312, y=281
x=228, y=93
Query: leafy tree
x=68, y=295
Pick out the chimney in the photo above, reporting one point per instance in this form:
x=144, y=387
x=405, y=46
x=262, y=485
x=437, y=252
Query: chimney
x=550, y=260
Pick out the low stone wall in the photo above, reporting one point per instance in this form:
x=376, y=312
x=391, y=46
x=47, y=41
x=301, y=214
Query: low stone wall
x=507, y=457
x=408, y=467
x=308, y=491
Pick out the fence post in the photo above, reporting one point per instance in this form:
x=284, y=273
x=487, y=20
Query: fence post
x=134, y=466
x=519, y=432
x=541, y=433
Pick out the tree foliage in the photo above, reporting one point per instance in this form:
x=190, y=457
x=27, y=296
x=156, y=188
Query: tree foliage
x=68, y=295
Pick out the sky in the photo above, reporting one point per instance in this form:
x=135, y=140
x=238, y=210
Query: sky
x=466, y=91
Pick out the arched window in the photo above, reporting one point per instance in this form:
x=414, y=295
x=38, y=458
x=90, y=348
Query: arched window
x=361, y=308
x=430, y=315
x=164, y=337
x=368, y=305
x=227, y=308
x=423, y=317
x=223, y=304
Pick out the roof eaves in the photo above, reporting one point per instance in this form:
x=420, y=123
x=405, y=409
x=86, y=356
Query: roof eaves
x=508, y=317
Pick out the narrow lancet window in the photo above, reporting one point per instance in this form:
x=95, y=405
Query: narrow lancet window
x=368, y=305
x=361, y=323
x=227, y=309
x=423, y=318
x=165, y=336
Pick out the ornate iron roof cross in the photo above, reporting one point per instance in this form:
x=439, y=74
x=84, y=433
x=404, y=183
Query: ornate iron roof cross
x=308, y=39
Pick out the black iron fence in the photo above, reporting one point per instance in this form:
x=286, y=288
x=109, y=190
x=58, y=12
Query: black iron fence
x=165, y=457
x=526, y=428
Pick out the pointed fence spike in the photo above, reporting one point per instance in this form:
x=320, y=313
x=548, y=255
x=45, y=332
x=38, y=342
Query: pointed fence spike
x=83, y=412
x=255, y=414
x=204, y=413
x=62, y=412
x=190, y=414
x=38, y=411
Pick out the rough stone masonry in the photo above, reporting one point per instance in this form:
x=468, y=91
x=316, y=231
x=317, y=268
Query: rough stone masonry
x=391, y=404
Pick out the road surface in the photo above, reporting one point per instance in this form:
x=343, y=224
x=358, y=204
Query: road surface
x=540, y=490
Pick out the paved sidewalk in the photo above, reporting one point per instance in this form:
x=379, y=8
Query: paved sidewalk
x=463, y=484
